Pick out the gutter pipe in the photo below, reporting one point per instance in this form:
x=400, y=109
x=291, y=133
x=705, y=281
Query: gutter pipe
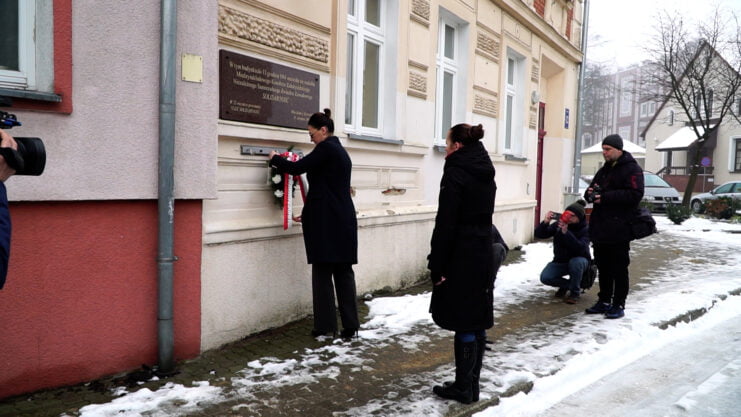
x=580, y=104
x=165, y=201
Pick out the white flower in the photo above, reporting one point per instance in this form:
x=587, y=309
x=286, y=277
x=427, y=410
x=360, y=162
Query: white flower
x=277, y=178
x=278, y=193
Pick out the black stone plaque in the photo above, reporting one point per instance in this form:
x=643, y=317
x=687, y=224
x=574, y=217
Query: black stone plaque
x=256, y=91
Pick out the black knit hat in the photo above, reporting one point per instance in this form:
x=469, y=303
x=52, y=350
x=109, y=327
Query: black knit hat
x=613, y=140
x=578, y=208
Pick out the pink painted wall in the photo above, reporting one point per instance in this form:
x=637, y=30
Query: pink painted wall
x=80, y=301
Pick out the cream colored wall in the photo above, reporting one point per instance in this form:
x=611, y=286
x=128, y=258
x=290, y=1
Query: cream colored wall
x=107, y=148
x=247, y=285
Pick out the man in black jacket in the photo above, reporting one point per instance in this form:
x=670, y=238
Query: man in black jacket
x=616, y=191
x=571, y=255
x=6, y=141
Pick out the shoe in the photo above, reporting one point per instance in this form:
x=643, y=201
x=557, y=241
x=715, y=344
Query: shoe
x=598, y=308
x=466, y=356
x=615, y=313
x=318, y=333
x=573, y=298
x=561, y=293
x=349, y=333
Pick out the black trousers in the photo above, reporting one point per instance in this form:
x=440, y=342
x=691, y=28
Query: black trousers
x=612, y=262
x=323, y=290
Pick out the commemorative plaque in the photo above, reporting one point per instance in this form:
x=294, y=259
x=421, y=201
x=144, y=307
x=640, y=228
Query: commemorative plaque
x=256, y=91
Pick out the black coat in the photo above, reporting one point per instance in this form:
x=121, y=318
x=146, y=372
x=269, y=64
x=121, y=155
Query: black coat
x=621, y=192
x=573, y=243
x=328, y=218
x=462, y=242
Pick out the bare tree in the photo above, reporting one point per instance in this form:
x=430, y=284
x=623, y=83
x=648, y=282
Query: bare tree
x=698, y=72
x=598, y=87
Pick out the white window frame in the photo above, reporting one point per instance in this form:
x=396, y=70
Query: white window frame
x=25, y=77
x=733, y=159
x=624, y=132
x=456, y=66
x=363, y=32
x=512, y=104
x=626, y=97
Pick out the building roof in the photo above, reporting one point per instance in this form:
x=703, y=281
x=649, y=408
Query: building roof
x=679, y=140
x=627, y=146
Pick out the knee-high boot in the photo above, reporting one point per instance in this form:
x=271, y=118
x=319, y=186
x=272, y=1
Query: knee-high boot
x=480, y=350
x=465, y=361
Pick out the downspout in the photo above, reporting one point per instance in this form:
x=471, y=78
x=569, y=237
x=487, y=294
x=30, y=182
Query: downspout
x=165, y=201
x=579, y=104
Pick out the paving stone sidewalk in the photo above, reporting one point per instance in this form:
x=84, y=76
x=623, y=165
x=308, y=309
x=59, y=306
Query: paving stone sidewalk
x=341, y=386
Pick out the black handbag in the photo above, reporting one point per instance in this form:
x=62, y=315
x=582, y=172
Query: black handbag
x=642, y=224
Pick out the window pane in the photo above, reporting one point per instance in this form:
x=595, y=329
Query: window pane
x=449, y=42
x=371, y=85
x=349, y=92
x=508, y=123
x=373, y=12
x=738, y=155
x=447, y=104
x=9, y=35
x=351, y=7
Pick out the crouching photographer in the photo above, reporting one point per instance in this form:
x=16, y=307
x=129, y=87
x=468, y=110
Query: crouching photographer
x=18, y=156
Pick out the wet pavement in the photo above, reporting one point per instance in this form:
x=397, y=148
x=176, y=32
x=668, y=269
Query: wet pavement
x=403, y=367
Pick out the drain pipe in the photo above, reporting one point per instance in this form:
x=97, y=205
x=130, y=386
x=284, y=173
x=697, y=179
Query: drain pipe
x=579, y=98
x=165, y=201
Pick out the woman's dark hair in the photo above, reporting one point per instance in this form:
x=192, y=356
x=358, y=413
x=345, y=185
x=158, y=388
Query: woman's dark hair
x=319, y=120
x=466, y=134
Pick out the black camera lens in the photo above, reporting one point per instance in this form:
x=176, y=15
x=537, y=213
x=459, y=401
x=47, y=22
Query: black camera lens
x=34, y=156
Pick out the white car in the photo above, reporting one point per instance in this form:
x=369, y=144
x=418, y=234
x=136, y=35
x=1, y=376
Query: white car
x=730, y=189
x=658, y=192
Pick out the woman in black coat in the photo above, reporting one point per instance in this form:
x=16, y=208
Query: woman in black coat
x=330, y=226
x=461, y=260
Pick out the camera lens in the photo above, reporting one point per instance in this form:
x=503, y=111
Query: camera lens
x=34, y=156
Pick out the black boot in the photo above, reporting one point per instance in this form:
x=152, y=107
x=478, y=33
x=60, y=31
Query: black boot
x=465, y=362
x=480, y=350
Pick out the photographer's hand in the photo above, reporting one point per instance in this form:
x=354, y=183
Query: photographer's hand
x=6, y=141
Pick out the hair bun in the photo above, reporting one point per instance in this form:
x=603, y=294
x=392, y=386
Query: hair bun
x=477, y=132
x=328, y=113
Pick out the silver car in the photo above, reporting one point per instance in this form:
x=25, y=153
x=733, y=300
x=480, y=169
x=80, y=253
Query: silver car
x=730, y=189
x=658, y=192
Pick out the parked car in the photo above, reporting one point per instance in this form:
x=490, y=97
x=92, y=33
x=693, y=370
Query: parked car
x=730, y=189
x=658, y=192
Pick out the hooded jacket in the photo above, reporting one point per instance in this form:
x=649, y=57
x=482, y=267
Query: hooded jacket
x=461, y=244
x=621, y=186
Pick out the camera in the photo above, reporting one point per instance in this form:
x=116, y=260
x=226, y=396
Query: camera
x=30, y=157
x=591, y=196
x=555, y=216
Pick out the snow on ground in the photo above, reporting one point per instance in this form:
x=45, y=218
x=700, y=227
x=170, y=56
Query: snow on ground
x=557, y=358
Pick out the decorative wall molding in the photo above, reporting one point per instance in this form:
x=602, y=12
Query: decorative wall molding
x=418, y=65
x=533, y=122
x=485, y=104
x=421, y=11
x=535, y=71
x=417, y=85
x=488, y=46
x=245, y=30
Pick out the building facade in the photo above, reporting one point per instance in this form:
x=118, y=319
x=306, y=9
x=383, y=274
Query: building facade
x=396, y=75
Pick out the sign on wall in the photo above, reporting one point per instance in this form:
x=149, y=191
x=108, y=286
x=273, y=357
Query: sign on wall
x=256, y=91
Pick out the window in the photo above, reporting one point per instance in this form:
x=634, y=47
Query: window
x=365, y=43
x=644, y=109
x=734, y=155
x=513, y=103
x=17, y=44
x=626, y=97
x=449, y=61
x=624, y=132
x=370, y=44
x=671, y=117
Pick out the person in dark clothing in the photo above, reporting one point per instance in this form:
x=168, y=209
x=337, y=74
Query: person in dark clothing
x=571, y=255
x=6, y=141
x=462, y=261
x=616, y=190
x=330, y=226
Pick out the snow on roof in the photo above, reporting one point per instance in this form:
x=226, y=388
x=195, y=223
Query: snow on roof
x=681, y=139
x=627, y=146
